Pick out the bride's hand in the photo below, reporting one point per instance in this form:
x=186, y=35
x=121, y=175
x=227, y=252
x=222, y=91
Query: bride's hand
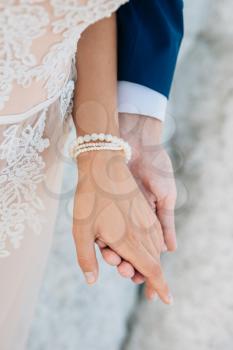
x=109, y=207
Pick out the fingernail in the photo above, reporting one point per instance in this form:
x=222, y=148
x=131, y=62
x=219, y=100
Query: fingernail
x=170, y=299
x=153, y=296
x=90, y=277
x=164, y=248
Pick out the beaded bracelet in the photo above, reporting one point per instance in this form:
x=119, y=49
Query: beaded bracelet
x=87, y=143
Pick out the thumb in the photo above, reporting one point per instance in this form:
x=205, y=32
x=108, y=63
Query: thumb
x=86, y=256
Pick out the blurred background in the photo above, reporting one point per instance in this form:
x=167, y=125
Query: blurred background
x=198, y=135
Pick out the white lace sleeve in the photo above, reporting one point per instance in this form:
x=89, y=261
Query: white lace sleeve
x=38, y=39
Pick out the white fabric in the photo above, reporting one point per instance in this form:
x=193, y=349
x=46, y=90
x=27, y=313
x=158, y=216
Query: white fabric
x=38, y=41
x=138, y=99
x=31, y=171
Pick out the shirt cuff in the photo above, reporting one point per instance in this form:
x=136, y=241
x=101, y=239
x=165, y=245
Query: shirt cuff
x=138, y=99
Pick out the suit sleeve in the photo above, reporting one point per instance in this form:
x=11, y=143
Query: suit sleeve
x=149, y=38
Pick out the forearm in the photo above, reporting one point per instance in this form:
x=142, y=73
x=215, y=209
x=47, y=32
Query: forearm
x=95, y=103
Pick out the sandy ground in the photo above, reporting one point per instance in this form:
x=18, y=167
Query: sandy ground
x=200, y=272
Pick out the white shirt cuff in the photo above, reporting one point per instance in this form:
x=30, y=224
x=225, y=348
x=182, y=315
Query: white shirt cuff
x=138, y=99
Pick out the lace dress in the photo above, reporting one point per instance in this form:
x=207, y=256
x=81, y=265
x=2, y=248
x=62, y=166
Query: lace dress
x=38, y=42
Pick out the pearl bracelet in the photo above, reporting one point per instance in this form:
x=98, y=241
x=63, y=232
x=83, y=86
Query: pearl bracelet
x=108, y=142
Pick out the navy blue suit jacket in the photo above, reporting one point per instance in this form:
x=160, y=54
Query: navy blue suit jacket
x=149, y=37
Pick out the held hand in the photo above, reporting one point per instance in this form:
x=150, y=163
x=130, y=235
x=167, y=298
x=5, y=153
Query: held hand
x=110, y=207
x=152, y=169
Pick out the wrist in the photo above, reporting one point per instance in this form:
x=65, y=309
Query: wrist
x=99, y=142
x=141, y=130
x=104, y=157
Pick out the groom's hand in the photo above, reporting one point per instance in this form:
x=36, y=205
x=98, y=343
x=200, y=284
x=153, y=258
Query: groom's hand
x=152, y=169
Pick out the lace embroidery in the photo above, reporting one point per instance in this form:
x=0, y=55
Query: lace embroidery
x=21, y=23
x=19, y=202
x=66, y=100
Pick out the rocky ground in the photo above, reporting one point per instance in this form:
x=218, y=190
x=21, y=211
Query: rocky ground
x=200, y=273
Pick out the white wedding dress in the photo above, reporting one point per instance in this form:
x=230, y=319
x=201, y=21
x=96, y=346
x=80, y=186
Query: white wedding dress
x=38, y=43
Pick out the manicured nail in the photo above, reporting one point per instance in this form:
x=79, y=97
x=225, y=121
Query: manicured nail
x=90, y=277
x=170, y=299
x=153, y=296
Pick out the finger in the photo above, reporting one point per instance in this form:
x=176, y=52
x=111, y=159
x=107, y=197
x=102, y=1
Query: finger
x=86, y=256
x=100, y=243
x=126, y=270
x=157, y=283
x=150, y=293
x=110, y=256
x=154, y=243
x=165, y=213
x=138, y=278
x=157, y=238
x=151, y=238
x=147, y=225
x=141, y=259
